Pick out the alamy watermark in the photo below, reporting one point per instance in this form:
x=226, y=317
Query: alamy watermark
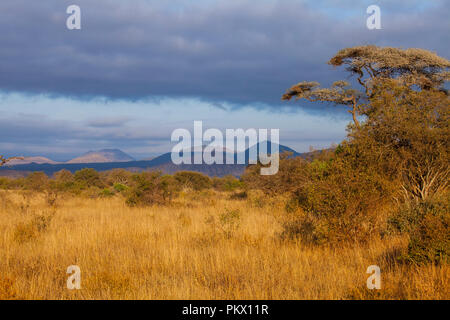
x=192, y=149
x=374, y=281
x=374, y=20
x=74, y=280
x=73, y=22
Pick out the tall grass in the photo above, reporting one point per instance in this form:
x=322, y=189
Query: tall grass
x=207, y=246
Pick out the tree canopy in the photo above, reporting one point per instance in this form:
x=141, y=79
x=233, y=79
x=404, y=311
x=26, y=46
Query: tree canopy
x=372, y=65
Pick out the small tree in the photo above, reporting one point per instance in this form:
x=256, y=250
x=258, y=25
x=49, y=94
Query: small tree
x=88, y=177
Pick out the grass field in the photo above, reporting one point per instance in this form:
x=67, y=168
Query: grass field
x=201, y=247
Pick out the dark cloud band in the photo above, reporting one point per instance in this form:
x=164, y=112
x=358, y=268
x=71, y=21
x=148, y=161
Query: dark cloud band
x=238, y=52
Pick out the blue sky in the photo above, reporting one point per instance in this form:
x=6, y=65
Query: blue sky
x=139, y=69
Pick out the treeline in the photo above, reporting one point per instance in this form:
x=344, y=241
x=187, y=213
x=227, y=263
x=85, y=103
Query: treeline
x=145, y=188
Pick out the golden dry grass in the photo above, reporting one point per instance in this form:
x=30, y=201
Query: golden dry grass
x=185, y=252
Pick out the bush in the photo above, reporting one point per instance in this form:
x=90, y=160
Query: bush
x=88, y=177
x=29, y=231
x=292, y=205
x=37, y=181
x=306, y=227
x=229, y=222
x=151, y=188
x=63, y=180
x=119, y=177
x=120, y=187
x=290, y=175
x=227, y=183
x=339, y=201
x=192, y=180
x=427, y=224
x=106, y=193
x=5, y=183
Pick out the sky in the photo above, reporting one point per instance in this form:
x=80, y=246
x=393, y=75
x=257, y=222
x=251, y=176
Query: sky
x=139, y=69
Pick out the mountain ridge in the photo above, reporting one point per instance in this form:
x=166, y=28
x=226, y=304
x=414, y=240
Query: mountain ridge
x=28, y=160
x=102, y=156
x=162, y=162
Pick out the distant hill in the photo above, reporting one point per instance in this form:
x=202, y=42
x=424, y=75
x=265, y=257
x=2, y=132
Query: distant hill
x=27, y=160
x=162, y=162
x=281, y=149
x=102, y=156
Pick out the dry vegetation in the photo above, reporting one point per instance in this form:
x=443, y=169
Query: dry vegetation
x=203, y=246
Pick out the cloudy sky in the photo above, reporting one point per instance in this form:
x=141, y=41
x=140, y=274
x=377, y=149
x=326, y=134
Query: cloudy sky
x=139, y=69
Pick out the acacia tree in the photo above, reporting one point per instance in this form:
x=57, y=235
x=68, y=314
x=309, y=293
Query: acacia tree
x=405, y=105
x=410, y=66
x=340, y=93
x=372, y=64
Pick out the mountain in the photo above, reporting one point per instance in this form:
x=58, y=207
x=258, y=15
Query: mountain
x=254, y=150
x=163, y=163
x=28, y=160
x=102, y=156
x=251, y=153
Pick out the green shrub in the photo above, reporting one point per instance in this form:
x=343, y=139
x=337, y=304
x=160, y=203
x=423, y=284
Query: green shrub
x=192, y=180
x=428, y=225
x=227, y=183
x=88, y=177
x=151, y=188
x=120, y=187
x=338, y=201
x=106, y=193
